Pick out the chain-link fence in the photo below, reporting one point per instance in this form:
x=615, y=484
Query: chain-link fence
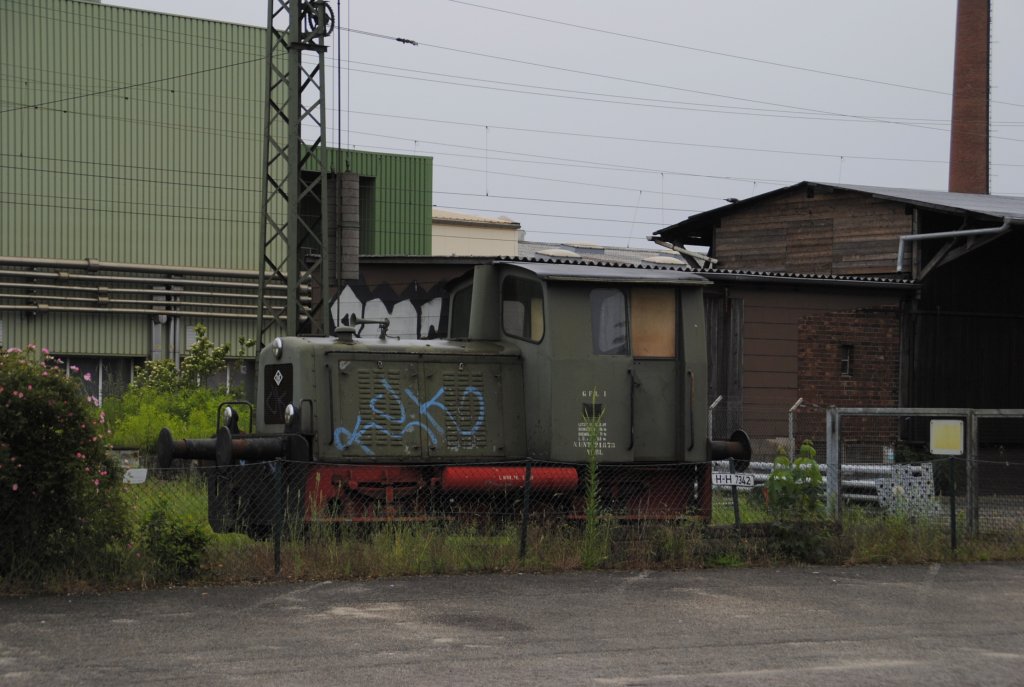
x=958, y=469
x=293, y=501
x=310, y=519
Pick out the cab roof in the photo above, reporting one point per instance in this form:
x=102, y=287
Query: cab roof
x=557, y=271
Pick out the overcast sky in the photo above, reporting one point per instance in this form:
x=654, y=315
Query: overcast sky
x=591, y=120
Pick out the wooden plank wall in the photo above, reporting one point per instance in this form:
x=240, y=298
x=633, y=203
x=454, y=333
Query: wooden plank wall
x=771, y=346
x=839, y=232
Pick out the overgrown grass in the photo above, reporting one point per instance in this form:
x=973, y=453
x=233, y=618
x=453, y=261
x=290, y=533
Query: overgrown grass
x=330, y=551
x=752, y=506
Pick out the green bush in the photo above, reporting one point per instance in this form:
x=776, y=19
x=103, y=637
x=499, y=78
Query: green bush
x=795, y=488
x=162, y=395
x=142, y=412
x=61, y=504
x=174, y=545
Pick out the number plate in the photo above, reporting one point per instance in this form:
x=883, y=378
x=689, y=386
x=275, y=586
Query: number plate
x=727, y=479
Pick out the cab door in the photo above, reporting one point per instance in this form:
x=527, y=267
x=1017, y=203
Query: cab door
x=655, y=370
x=605, y=387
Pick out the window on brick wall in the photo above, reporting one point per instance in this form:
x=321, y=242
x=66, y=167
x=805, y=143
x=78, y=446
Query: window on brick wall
x=846, y=360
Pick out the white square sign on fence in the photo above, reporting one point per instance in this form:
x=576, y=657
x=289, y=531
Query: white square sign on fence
x=946, y=438
x=135, y=476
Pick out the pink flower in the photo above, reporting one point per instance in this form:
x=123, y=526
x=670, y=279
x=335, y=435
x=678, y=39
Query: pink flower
x=14, y=487
x=46, y=351
x=96, y=482
x=87, y=376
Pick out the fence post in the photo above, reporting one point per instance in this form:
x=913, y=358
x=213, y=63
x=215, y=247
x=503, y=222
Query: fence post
x=952, y=502
x=278, y=513
x=833, y=464
x=735, y=496
x=526, y=509
x=711, y=414
x=792, y=439
x=973, y=505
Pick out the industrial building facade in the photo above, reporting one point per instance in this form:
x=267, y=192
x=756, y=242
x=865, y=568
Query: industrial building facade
x=131, y=183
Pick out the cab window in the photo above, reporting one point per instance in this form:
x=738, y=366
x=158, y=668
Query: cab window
x=459, y=317
x=522, y=309
x=608, y=323
x=653, y=313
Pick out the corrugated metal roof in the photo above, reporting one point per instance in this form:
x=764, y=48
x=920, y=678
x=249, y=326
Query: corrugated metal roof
x=593, y=251
x=1003, y=207
x=564, y=271
x=730, y=275
x=998, y=208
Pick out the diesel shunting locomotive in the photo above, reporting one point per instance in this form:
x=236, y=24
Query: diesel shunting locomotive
x=545, y=366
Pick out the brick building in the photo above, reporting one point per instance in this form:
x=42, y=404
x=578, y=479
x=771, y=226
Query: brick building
x=861, y=296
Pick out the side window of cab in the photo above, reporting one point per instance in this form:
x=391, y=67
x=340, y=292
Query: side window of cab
x=522, y=308
x=609, y=326
x=458, y=327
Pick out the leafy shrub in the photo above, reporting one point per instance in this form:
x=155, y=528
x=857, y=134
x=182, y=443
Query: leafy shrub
x=61, y=502
x=162, y=395
x=175, y=545
x=794, y=489
x=144, y=411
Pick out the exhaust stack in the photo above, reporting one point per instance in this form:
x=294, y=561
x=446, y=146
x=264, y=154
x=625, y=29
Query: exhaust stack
x=969, y=135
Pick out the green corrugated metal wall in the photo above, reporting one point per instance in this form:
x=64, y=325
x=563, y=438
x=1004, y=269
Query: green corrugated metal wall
x=164, y=173
x=167, y=171
x=66, y=334
x=404, y=184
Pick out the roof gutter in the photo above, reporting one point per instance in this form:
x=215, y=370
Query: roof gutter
x=1005, y=226
x=805, y=281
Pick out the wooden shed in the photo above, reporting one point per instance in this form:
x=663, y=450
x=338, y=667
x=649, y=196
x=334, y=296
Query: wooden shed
x=822, y=283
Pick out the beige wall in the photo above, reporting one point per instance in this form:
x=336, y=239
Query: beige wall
x=465, y=239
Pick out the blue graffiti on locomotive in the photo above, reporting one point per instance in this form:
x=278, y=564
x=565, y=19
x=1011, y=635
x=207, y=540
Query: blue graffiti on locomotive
x=421, y=416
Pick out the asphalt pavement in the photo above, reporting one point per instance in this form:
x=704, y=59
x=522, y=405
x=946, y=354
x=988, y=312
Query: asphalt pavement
x=909, y=625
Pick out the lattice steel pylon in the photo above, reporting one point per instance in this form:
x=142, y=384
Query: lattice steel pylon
x=294, y=235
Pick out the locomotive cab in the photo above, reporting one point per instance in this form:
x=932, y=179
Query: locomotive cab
x=622, y=346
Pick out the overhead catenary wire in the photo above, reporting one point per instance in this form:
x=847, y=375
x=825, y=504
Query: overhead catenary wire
x=625, y=185
x=254, y=189
x=534, y=64
x=718, y=53
x=668, y=142
x=582, y=72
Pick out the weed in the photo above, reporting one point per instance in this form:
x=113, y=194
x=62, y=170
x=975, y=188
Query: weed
x=595, y=534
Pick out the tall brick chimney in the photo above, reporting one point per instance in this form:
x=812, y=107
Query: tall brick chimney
x=968, y=141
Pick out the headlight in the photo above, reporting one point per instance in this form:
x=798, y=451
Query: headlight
x=289, y=414
x=276, y=346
